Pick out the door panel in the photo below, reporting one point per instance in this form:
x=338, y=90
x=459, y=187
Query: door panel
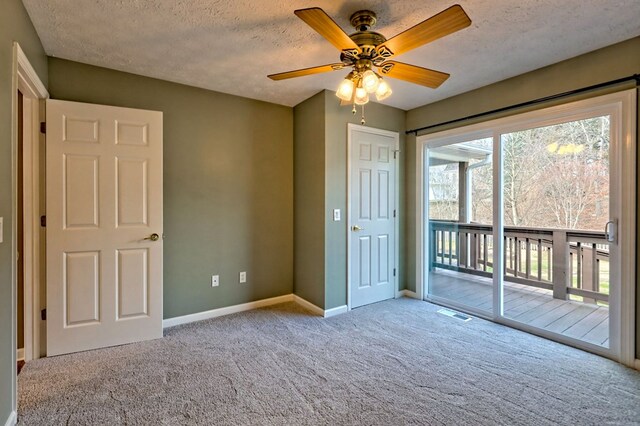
x=133, y=283
x=80, y=195
x=104, y=198
x=81, y=298
x=131, y=199
x=365, y=262
x=372, y=223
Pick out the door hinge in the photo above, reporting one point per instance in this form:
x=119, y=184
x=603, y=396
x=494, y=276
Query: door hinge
x=395, y=153
x=394, y=272
x=43, y=315
x=43, y=221
x=394, y=212
x=43, y=128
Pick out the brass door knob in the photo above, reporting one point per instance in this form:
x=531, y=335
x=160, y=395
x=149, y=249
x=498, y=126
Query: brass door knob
x=356, y=228
x=153, y=237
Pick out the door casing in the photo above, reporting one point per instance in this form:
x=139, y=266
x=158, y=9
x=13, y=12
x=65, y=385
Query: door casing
x=25, y=79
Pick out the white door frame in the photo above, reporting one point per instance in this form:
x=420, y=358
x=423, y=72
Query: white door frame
x=350, y=128
x=25, y=79
x=623, y=158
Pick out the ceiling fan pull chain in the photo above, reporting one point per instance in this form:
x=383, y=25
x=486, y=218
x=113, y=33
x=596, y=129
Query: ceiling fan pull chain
x=362, y=121
x=353, y=111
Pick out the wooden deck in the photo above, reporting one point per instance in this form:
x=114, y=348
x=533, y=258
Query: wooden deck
x=529, y=305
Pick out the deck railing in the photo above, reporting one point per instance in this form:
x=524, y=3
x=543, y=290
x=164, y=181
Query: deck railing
x=567, y=262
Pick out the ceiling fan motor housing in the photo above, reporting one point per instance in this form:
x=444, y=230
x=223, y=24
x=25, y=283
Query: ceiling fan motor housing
x=366, y=40
x=362, y=20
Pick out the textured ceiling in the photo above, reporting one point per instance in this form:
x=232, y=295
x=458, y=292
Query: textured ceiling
x=230, y=46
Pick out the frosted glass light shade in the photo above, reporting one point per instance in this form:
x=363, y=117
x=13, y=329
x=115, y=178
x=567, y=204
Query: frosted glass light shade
x=383, y=91
x=370, y=81
x=345, y=90
x=362, y=97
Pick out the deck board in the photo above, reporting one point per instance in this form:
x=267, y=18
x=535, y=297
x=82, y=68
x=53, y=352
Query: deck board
x=581, y=328
x=563, y=323
x=529, y=305
x=599, y=334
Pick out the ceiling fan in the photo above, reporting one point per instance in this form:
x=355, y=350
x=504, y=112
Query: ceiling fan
x=365, y=50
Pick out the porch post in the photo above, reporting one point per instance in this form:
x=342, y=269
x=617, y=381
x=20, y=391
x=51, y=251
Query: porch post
x=463, y=212
x=560, y=261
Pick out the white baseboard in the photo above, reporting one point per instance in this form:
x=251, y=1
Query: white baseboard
x=12, y=420
x=336, y=311
x=200, y=316
x=318, y=310
x=171, y=322
x=308, y=305
x=408, y=293
x=20, y=354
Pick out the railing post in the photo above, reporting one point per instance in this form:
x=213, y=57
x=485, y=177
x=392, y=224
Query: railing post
x=560, y=260
x=433, y=253
x=588, y=265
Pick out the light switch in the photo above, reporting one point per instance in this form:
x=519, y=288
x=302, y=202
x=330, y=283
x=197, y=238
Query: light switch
x=336, y=215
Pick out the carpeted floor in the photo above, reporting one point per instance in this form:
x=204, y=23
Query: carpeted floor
x=392, y=363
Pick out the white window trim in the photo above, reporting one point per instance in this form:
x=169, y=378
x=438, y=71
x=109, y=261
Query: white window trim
x=621, y=105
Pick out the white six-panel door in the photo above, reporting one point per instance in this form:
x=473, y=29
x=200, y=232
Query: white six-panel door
x=371, y=209
x=104, y=197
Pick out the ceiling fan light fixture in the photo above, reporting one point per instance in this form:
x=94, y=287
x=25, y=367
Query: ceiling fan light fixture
x=362, y=97
x=370, y=81
x=383, y=91
x=345, y=90
x=366, y=50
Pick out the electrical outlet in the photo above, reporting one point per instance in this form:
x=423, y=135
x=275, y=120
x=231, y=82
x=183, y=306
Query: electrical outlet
x=215, y=280
x=243, y=277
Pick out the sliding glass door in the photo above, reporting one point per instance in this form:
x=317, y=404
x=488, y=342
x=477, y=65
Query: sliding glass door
x=557, y=250
x=460, y=205
x=525, y=221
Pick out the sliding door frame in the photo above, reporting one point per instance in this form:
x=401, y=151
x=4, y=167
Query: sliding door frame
x=621, y=106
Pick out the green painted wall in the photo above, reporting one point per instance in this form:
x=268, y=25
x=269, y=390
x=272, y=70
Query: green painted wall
x=616, y=61
x=321, y=186
x=228, y=184
x=379, y=116
x=15, y=25
x=309, y=205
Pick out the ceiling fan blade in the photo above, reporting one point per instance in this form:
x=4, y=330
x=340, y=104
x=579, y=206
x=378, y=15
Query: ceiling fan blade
x=444, y=23
x=306, y=71
x=413, y=74
x=317, y=19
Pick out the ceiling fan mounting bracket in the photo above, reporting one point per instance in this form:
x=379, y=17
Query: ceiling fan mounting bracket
x=386, y=68
x=362, y=20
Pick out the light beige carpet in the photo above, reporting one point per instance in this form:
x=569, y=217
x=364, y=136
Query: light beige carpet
x=391, y=363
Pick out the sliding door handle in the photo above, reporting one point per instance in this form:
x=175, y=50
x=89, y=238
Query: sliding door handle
x=611, y=231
